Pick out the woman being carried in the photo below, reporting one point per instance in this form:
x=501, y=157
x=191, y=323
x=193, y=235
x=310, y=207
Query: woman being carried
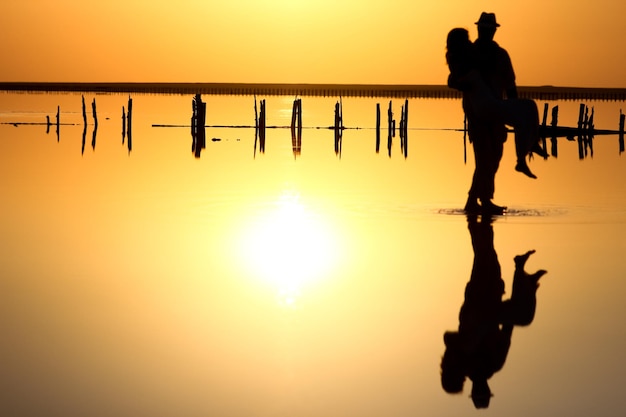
x=522, y=114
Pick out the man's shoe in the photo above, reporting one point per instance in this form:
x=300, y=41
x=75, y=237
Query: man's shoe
x=490, y=208
x=472, y=206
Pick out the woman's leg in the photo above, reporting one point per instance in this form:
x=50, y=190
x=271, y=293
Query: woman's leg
x=523, y=115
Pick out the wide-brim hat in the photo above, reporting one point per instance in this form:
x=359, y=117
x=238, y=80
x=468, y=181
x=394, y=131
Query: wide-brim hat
x=488, y=19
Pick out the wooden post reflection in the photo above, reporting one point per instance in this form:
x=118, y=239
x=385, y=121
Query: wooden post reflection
x=95, y=124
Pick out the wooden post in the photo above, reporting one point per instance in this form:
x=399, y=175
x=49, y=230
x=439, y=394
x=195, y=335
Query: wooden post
x=95, y=116
x=390, y=132
x=336, y=128
x=193, y=119
x=544, y=123
x=377, y=127
x=262, y=127
x=58, y=122
x=198, y=120
x=406, y=128
x=256, y=125
x=202, y=123
x=401, y=131
x=300, y=116
x=129, y=120
x=294, y=115
x=296, y=128
x=256, y=115
x=555, y=116
x=554, y=123
x=581, y=124
x=621, y=131
x=123, y=124
x=406, y=117
x=84, y=111
x=581, y=116
x=545, y=115
x=341, y=114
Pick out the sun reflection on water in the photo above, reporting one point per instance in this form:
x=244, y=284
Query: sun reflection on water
x=289, y=246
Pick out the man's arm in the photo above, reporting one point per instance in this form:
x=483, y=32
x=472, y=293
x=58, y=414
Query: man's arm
x=511, y=92
x=510, y=87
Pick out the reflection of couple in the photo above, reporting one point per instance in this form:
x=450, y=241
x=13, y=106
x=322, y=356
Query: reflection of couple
x=479, y=347
x=483, y=72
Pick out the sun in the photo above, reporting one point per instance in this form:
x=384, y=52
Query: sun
x=289, y=246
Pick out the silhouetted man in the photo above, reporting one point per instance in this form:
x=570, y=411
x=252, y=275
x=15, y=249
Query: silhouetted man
x=486, y=134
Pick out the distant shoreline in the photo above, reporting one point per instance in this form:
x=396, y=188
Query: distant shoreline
x=324, y=90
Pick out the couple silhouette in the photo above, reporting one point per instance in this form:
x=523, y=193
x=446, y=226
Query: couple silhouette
x=483, y=72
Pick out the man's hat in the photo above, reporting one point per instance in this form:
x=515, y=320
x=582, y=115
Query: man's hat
x=487, y=19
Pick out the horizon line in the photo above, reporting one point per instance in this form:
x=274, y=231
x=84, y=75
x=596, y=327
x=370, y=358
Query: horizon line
x=546, y=92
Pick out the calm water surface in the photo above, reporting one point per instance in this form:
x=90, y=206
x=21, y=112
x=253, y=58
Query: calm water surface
x=278, y=283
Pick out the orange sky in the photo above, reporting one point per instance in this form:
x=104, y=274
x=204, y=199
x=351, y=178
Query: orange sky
x=563, y=43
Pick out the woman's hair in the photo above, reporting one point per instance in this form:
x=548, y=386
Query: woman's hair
x=452, y=365
x=458, y=54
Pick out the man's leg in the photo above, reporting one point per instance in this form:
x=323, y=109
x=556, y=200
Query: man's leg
x=488, y=149
x=494, y=148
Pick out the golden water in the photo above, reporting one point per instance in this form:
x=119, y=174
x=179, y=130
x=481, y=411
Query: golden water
x=154, y=283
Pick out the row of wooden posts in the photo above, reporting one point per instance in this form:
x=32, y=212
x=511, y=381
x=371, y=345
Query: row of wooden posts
x=391, y=128
x=126, y=124
x=583, y=133
x=338, y=127
x=585, y=130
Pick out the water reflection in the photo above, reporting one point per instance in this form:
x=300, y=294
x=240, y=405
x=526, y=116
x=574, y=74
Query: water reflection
x=479, y=348
x=320, y=299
